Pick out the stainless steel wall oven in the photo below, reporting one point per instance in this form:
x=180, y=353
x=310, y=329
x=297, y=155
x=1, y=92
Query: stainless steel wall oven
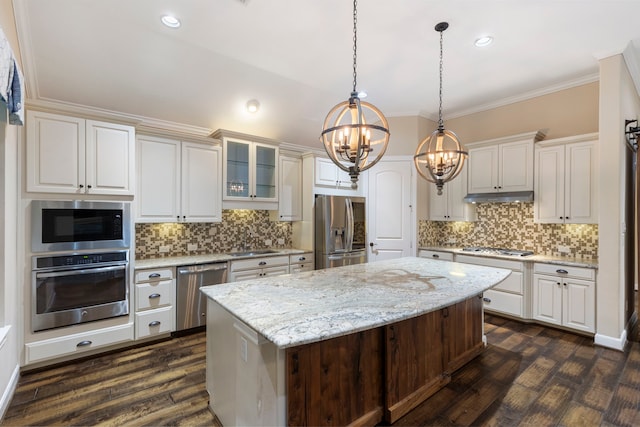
x=78, y=288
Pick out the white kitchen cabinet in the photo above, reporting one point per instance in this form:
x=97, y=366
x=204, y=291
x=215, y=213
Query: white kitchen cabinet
x=250, y=171
x=290, y=189
x=566, y=185
x=178, y=181
x=72, y=155
x=509, y=296
x=564, y=296
x=502, y=165
x=450, y=205
x=328, y=174
x=155, y=294
x=299, y=263
x=255, y=267
x=439, y=255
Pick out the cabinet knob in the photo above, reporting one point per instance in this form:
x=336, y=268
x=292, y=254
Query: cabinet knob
x=558, y=283
x=435, y=256
x=84, y=343
x=89, y=186
x=302, y=258
x=81, y=186
x=485, y=299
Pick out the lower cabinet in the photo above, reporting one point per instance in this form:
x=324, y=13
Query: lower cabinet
x=301, y=262
x=439, y=255
x=509, y=296
x=77, y=343
x=155, y=301
x=564, y=296
x=255, y=267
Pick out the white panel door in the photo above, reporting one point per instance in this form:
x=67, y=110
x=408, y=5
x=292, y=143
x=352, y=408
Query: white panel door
x=516, y=167
x=549, y=187
x=201, y=183
x=547, y=299
x=578, y=304
x=110, y=165
x=389, y=209
x=581, y=188
x=483, y=170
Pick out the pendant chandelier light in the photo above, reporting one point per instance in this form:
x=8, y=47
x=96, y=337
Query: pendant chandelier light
x=440, y=156
x=355, y=133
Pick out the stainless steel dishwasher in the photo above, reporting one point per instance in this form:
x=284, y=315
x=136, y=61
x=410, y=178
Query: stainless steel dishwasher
x=191, y=304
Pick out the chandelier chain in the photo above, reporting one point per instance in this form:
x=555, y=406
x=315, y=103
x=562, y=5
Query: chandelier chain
x=355, y=42
x=440, y=122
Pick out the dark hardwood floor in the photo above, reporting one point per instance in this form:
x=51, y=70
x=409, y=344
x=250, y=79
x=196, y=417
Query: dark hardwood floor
x=528, y=375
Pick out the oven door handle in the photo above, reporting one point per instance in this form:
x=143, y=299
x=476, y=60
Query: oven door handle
x=76, y=272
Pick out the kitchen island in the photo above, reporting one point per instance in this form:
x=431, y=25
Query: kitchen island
x=348, y=345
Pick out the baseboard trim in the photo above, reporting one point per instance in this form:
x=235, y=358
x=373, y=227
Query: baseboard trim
x=611, y=342
x=9, y=392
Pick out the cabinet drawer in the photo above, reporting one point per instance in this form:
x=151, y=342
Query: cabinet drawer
x=514, y=283
x=154, y=322
x=77, y=343
x=503, y=302
x=299, y=267
x=490, y=262
x=565, y=271
x=444, y=256
x=305, y=257
x=155, y=294
x=152, y=275
x=246, y=264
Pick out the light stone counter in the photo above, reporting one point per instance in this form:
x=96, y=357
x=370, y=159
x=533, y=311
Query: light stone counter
x=204, y=259
x=292, y=310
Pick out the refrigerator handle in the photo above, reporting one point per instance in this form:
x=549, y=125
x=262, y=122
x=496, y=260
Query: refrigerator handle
x=349, y=237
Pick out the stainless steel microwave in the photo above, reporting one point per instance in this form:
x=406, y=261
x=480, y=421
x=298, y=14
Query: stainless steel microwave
x=77, y=225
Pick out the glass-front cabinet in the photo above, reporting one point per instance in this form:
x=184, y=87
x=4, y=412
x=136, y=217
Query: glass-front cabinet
x=250, y=170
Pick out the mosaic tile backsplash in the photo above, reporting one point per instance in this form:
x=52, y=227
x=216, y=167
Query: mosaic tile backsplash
x=219, y=237
x=510, y=225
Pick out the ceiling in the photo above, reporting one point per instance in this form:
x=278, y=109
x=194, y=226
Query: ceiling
x=295, y=56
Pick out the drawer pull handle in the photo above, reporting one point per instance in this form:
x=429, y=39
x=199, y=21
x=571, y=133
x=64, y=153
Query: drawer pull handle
x=154, y=296
x=262, y=263
x=562, y=271
x=154, y=275
x=435, y=256
x=154, y=323
x=302, y=258
x=84, y=343
x=485, y=299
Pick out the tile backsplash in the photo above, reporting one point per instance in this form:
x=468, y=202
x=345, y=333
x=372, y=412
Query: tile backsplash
x=510, y=225
x=215, y=237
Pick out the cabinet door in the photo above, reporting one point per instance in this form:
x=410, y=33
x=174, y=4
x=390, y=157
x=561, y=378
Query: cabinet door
x=438, y=204
x=265, y=172
x=549, y=204
x=456, y=191
x=516, y=166
x=158, y=179
x=201, y=199
x=578, y=304
x=110, y=154
x=275, y=271
x=236, y=276
x=483, y=170
x=290, y=191
x=326, y=173
x=581, y=183
x=547, y=299
x=236, y=169
x=55, y=153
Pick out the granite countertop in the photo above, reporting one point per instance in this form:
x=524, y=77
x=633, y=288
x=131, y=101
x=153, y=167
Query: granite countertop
x=307, y=307
x=204, y=259
x=568, y=261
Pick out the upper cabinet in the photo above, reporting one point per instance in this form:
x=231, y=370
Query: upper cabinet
x=566, y=186
x=290, y=189
x=502, y=165
x=178, y=181
x=330, y=175
x=250, y=171
x=72, y=155
x=450, y=206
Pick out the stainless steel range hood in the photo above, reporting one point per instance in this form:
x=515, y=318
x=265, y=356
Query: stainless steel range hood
x=514, y=196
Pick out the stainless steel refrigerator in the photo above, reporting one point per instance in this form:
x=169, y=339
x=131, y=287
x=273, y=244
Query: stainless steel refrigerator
x=340, y=231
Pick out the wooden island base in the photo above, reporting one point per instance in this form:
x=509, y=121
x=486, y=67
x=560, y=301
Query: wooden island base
x=358, y=379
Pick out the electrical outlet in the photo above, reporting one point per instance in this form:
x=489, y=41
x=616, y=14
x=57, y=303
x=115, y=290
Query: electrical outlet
x=164, y=249
x=452, y=241
x=281, y=242
x=268, y=242
x=192, y=246
x=563, y=249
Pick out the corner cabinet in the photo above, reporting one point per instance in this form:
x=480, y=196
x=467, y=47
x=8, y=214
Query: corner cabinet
x=503, y=164
x=178, y=181
x=450, y=205
x=250, y=171
x=71, y=155
x=566, y=186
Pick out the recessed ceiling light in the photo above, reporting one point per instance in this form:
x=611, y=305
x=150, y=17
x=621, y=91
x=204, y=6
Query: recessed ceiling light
x=484, y=41
x=253, y=106
x=170, y=21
